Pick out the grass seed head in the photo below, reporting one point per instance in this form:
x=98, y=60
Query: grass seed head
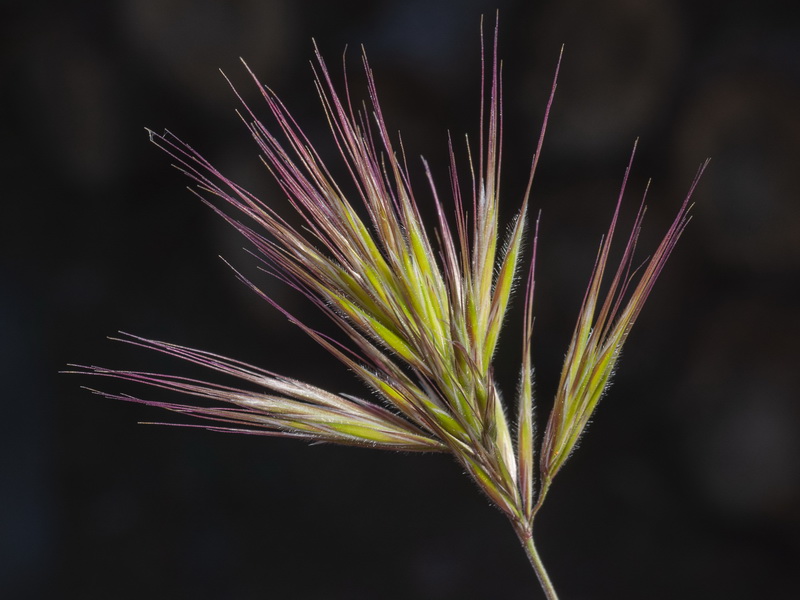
x=421, y=320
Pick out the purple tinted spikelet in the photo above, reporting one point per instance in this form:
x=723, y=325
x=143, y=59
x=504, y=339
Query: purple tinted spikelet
x=601, y=331
x=421, y=320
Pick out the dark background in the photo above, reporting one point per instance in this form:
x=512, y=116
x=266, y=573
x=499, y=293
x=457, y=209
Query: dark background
x=688, y=482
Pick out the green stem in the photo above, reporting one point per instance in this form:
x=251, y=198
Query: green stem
x=526, y=537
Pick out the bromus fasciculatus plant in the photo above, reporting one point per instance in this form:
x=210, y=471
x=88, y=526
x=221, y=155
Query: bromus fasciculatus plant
x=421, y=308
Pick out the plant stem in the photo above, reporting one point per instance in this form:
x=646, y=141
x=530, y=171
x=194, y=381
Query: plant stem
x=526, y=537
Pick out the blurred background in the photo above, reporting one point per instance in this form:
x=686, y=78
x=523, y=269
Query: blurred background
x=688, y=482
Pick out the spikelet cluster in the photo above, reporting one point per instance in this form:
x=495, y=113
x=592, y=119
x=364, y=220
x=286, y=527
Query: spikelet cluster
x=420, y=307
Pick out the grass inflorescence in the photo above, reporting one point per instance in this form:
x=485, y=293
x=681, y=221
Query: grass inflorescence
x=421, y=308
